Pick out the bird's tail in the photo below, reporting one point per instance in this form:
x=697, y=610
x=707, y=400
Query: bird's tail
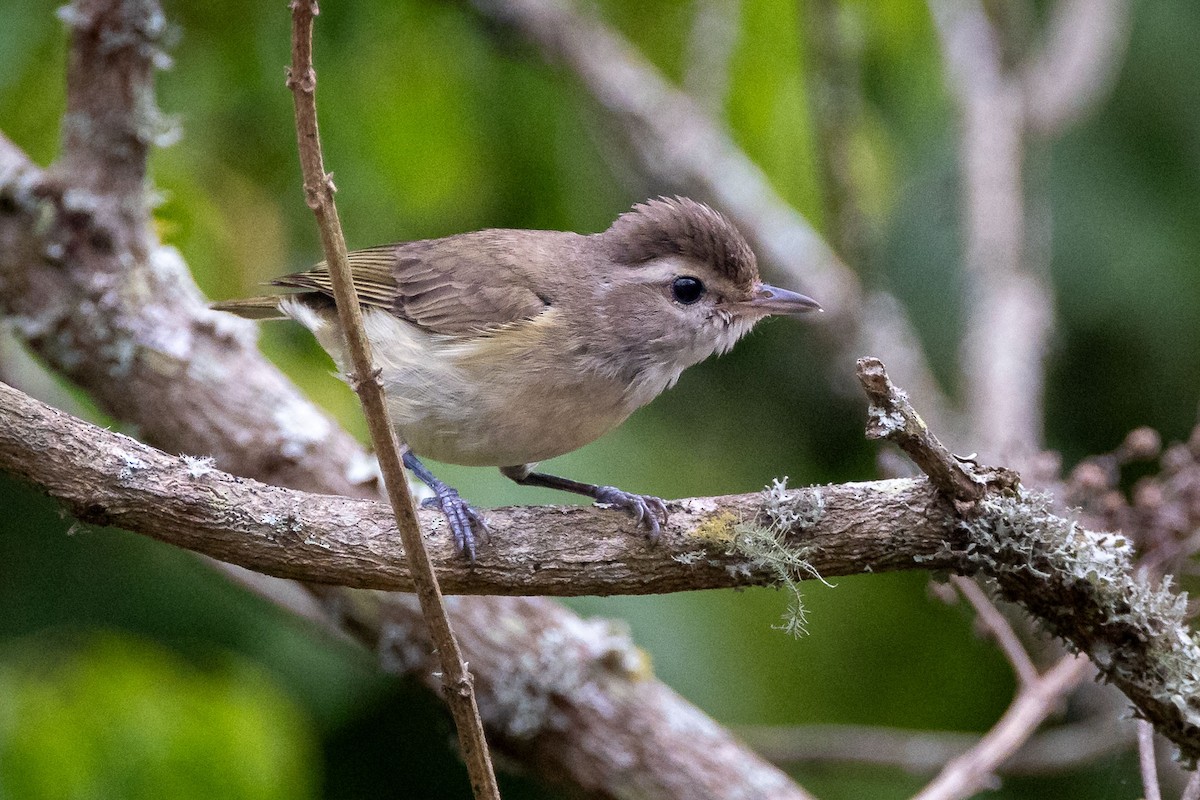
x=265, y=307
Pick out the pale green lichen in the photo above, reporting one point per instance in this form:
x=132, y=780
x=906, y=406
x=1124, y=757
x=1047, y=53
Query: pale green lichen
x=1082, y=586
x=769, y=549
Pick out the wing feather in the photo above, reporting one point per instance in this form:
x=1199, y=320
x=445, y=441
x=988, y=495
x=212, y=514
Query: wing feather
x=471, y=283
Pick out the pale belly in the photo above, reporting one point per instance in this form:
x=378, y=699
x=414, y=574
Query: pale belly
x=485, y=402
x=501, y=425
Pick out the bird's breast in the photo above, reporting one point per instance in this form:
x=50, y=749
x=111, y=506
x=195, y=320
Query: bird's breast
x=510, y=396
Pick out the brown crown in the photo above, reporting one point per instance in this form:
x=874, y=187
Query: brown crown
x=679, y=226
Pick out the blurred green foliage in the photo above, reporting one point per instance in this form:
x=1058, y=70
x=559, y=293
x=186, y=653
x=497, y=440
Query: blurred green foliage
x=115, y=717
x=163, y=677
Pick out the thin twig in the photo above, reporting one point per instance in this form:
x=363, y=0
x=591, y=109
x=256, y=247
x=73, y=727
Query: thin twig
x=1146, y=761
x=1066, y=748
x=318, y=189
x=1192, y=790
x=891, y=416
x=995, y=623
x=974, y=771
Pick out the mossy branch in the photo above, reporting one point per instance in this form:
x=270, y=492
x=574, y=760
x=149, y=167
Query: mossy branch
x=1079, y=584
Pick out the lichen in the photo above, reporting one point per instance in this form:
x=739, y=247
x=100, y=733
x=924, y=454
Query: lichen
x=771, y=550
x=1087, y=593
x=716, y=529
x=198, y=467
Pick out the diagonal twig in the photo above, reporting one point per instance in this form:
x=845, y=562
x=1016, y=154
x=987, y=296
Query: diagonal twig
x=458, y=686
x=891, y=416
x=994, y=622
x=1146, y=761
x=973, y=771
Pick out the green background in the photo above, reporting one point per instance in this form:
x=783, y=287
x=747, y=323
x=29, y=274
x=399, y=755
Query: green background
x=128, y=670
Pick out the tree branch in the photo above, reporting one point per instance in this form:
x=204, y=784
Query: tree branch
x=1077, y=64
x=1009, y=307
x=1079, y=584
x=1062, y=749
x=107, y=478
x=991, y=620
x=971, y=772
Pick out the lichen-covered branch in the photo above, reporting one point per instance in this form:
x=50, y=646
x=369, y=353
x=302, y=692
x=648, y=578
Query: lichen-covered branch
x=107, y=478
x=891, y=416
x=1079, y=584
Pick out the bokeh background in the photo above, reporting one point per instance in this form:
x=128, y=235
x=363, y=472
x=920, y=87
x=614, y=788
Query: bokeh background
x=129, y=670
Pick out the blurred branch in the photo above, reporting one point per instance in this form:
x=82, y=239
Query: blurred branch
x=710, y=47
x=972, y=772
x=682, y=146
x=1062, y=749
x=116, y=312
x=1192, y=790
x=1146, y=761
x=1076, y=65
x=991, y=620
x=836, y=109
x=1010, y=307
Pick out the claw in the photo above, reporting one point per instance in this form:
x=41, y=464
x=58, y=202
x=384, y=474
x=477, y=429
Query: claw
x=463, y=519
x=649, y=512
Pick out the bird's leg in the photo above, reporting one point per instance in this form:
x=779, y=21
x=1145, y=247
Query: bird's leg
x=462, y=518
x=650, y=512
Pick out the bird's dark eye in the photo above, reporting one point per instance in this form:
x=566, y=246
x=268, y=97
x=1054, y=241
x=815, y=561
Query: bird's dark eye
x=687, y=290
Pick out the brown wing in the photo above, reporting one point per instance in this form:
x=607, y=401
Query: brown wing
x=469, y=283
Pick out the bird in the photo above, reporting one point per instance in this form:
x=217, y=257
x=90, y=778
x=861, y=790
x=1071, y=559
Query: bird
x=507, y=347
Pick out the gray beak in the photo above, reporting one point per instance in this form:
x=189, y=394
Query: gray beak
x=773, y=300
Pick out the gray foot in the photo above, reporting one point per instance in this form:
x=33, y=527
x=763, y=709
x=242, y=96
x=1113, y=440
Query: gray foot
x=464, y=521
x=650, y=512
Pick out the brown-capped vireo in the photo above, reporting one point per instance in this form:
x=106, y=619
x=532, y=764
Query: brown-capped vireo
x=508, y=347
